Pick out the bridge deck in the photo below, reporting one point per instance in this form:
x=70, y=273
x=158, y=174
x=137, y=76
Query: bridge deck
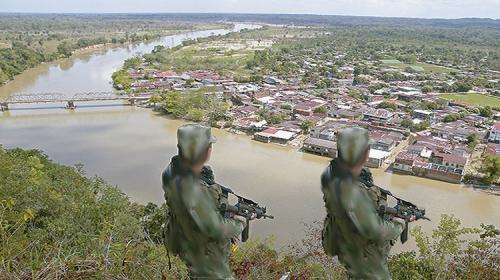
x=80, y=97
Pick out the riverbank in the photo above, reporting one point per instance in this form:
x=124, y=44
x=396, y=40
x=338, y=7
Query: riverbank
x=68, y=51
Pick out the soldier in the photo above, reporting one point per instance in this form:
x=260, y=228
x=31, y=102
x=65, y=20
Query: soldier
x=195, y=228
x=353, y=230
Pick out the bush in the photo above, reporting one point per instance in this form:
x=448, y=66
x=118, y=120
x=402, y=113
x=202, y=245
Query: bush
x=55, y=223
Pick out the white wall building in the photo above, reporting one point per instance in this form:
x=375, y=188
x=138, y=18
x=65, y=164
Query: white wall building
x=495, y=133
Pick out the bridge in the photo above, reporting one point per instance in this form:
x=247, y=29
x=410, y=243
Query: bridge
x=54, y=97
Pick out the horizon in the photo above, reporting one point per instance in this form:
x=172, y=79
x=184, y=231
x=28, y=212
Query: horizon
x=239, y=13
x=422, y=9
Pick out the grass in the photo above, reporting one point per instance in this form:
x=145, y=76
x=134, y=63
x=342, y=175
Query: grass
x=390, y=61
x=418, y=66
x=474, y=99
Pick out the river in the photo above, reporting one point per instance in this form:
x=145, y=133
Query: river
x=129, y=147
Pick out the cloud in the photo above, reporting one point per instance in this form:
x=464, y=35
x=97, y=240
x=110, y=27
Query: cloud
x=401, y=8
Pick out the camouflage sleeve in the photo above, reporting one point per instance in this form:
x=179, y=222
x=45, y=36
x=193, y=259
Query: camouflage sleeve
x=360, y=209
x=208, y=218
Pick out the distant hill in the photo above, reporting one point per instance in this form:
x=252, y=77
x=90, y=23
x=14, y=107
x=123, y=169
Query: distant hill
x=289, y=19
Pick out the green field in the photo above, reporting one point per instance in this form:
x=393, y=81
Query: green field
x=474, y=99
x=418, y=67
x=390, y=61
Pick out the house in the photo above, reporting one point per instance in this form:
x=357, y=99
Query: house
x=307, y=108
x=274, y=135
x=272, y=80
x=345, y=113
x=376, y=158
x=377, y=115
x=320, y=146
x=495, y=133
x=456, y=131
x=423, y=115
x=450, y=160
x=383, y=144
x=493, y=149
x=404, y=162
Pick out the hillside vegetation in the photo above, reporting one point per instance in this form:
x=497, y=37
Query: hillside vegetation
x=56, y=223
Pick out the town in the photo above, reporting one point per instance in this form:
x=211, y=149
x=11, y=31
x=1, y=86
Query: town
x=430, y=118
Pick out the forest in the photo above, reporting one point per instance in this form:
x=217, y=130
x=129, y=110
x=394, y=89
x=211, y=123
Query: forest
x=58, y=223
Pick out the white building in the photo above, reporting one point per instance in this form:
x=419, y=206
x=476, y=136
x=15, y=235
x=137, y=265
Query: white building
x=495, y=133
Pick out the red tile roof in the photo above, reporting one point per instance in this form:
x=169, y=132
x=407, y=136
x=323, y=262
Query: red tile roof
x=270, y=131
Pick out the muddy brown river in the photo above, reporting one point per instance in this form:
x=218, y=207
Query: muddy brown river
x=129, y=147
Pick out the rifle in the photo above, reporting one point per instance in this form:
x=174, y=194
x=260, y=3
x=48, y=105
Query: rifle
x=403, y=209
x=245, y=207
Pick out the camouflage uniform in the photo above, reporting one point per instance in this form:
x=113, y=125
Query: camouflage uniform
x=196, y=230
x=353, y=229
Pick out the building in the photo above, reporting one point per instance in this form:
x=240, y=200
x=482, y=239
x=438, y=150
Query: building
x=450, y=160
x=376, y=158
x=404, y=162
x=307, y=108
x=495, y=133
x=423, y=115
x=377, y=116
x=321, y=147
x=274, y=135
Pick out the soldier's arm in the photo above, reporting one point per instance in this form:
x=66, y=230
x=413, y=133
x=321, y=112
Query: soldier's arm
x=361, y=211
x=208, y=218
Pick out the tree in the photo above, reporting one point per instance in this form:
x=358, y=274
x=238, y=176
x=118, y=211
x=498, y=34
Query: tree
x=387, y=105
x=486, y=112
x=472, y=141
x=407, y=123
x=307, y=125
x=490, y=166
x=155, y=99
x=65, y=49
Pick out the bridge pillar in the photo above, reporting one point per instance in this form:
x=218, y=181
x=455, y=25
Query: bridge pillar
x=71, y=105
x=4, y=106
x=132, y=101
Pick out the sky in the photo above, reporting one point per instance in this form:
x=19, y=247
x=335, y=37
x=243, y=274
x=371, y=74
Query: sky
x=385, y=8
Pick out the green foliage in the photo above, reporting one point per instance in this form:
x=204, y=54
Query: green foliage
x=65, y=49
x=271, y=117
x=490, y=166
x=196, y=106
x=121, y=80
x=474, y=99
x=407, y=123
x=472, y=140
x=423, y=125
x=427, y=105
x=455, y=116
x=55, y=223
x=388, y=105
x=15, y=60
x=486, y=111
x=357, y=95
x=448, y=254
x=307, y=125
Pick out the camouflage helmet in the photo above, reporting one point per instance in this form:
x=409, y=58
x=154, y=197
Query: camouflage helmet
x=193, y=140
x=352, y=142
